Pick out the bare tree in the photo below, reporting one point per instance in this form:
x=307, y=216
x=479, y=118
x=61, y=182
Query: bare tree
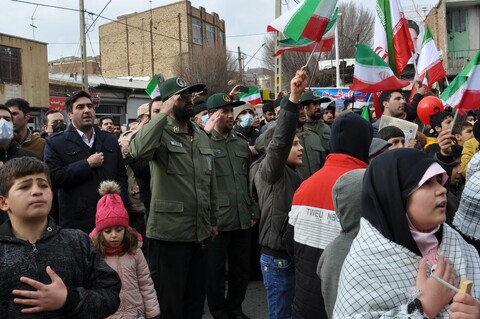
x=211, y=67
x=355, y=21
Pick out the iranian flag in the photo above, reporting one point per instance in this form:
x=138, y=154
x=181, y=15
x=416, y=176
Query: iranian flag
x=307, y=45
x=429, y=60
x=253, y=96
x=307, y=19
x=464, y=91
x=392, y=40
x=153, y=87
x=372, y=74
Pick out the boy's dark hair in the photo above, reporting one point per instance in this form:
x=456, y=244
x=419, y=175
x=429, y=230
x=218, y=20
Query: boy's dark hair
x=106, y=117
x=75, y=96
x=385, y=97
x=456, y=151
x=389, y=132
x=4, y=107
x=460, y=126
x=437, y=119
x=45, y=116
x=130, y=240
x=22, y=104
x=155, y=99
x=20, y=167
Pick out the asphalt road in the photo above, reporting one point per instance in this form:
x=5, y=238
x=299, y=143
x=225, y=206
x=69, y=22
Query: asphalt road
x=255, y=304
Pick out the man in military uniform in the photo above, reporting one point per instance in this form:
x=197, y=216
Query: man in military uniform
x=315, y=136
x=237, y=211
x=183, y=209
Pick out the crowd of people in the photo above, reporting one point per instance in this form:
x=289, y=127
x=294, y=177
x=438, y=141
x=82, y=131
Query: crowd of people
x=340, y=217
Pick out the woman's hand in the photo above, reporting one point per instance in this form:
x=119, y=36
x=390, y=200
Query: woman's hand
x=435, y=296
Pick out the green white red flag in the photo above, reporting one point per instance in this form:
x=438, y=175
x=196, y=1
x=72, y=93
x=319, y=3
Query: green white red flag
x=252, y=96
x=392, y=40
x=308, y=19
x=372, y=74
x=153, y=87
x=429, y=60
x=464, y=91
x=307, y=45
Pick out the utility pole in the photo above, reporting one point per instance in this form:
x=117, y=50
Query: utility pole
x=151, y=40
x=240, y=64
x=337, y=54
x=83, y=47
x=278, y=59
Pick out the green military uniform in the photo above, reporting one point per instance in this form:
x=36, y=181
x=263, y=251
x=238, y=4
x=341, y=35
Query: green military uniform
x=183, y=184
x=232, y=163
x=236, y=210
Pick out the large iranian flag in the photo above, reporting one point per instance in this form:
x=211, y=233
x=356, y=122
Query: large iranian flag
x=307, y=19
x=392, y=40
x=307, y=45
x=252, y=96
x=464, y=91
x=429, y=60
x=372, y=74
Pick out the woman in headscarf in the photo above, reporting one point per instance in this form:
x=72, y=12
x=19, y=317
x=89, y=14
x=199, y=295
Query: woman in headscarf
x=402, y=240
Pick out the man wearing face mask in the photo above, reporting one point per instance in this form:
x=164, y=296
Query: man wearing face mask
x=8, y=148
x=244, y=117
x=53, y=122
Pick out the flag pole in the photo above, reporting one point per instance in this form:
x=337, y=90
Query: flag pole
x=454, y=119
x=311, y=54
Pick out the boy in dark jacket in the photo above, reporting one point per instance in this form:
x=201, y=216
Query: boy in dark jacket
x=46, y=271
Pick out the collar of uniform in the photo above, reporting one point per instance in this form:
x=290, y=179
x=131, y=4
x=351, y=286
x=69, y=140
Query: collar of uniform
x=175, y=128
x=218, y=137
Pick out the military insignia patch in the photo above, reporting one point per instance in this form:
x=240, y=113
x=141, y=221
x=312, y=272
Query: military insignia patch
x=181, y=82
x=226, y=98
x=315, y=94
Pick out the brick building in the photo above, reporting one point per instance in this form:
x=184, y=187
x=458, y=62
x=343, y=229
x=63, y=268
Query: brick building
x=73, y=64
x=169, y=32
x=455, y=26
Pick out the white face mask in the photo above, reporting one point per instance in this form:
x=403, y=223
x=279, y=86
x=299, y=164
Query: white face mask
x=6, y=131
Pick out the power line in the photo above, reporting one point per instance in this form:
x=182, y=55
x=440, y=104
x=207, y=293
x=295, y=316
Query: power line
x=93, y=23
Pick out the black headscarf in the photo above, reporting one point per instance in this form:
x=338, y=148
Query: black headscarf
x=388, y=181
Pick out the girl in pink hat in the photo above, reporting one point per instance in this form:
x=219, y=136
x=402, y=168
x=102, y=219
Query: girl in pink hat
x=120, y=245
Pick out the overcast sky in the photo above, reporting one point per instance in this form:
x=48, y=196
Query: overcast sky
x=246, y=21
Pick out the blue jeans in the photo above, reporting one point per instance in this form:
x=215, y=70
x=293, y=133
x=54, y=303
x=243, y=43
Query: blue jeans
x=279, y=281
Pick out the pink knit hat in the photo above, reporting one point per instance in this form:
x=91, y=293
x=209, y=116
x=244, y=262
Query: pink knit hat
x=110, y=209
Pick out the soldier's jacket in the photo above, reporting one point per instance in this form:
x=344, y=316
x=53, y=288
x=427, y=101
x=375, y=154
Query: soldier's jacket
x=232, y=164
x=183, y=183
x=314, y=144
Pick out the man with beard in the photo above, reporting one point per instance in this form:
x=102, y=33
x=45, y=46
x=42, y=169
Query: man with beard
x=79, y=159
x=183, y=208
x=20, y=109
x=311, y=102
x=237, y=211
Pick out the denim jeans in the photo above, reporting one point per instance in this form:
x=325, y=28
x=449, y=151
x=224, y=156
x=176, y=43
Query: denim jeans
x=279, y=280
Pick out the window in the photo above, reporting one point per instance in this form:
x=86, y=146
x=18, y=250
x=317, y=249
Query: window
x=197, y=31
x=221, y=38
x=461, y=21
x=210, y=35
x=10, y=65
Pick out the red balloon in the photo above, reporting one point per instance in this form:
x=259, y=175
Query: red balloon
x=427, y=106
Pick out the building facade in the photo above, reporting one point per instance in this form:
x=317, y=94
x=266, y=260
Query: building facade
x=455, y=26
x=151, y=42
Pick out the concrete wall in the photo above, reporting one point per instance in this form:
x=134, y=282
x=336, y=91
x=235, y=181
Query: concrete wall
x=34, y=69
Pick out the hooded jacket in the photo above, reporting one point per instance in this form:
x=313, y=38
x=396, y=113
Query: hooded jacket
x=275, y=182
x=346, y=195
x=92, y=285
x=313, y=223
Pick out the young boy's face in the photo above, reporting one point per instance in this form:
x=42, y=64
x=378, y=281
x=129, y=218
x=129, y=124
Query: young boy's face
x=397, y=142
x=29, y=197
x=467, y=133
x=446, y=124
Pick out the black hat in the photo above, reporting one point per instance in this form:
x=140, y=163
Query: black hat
x=199, y=107
x=268, y=107
x=219, y=100
x=178, y=85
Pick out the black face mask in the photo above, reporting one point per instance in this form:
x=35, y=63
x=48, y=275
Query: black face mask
x=59, y=127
